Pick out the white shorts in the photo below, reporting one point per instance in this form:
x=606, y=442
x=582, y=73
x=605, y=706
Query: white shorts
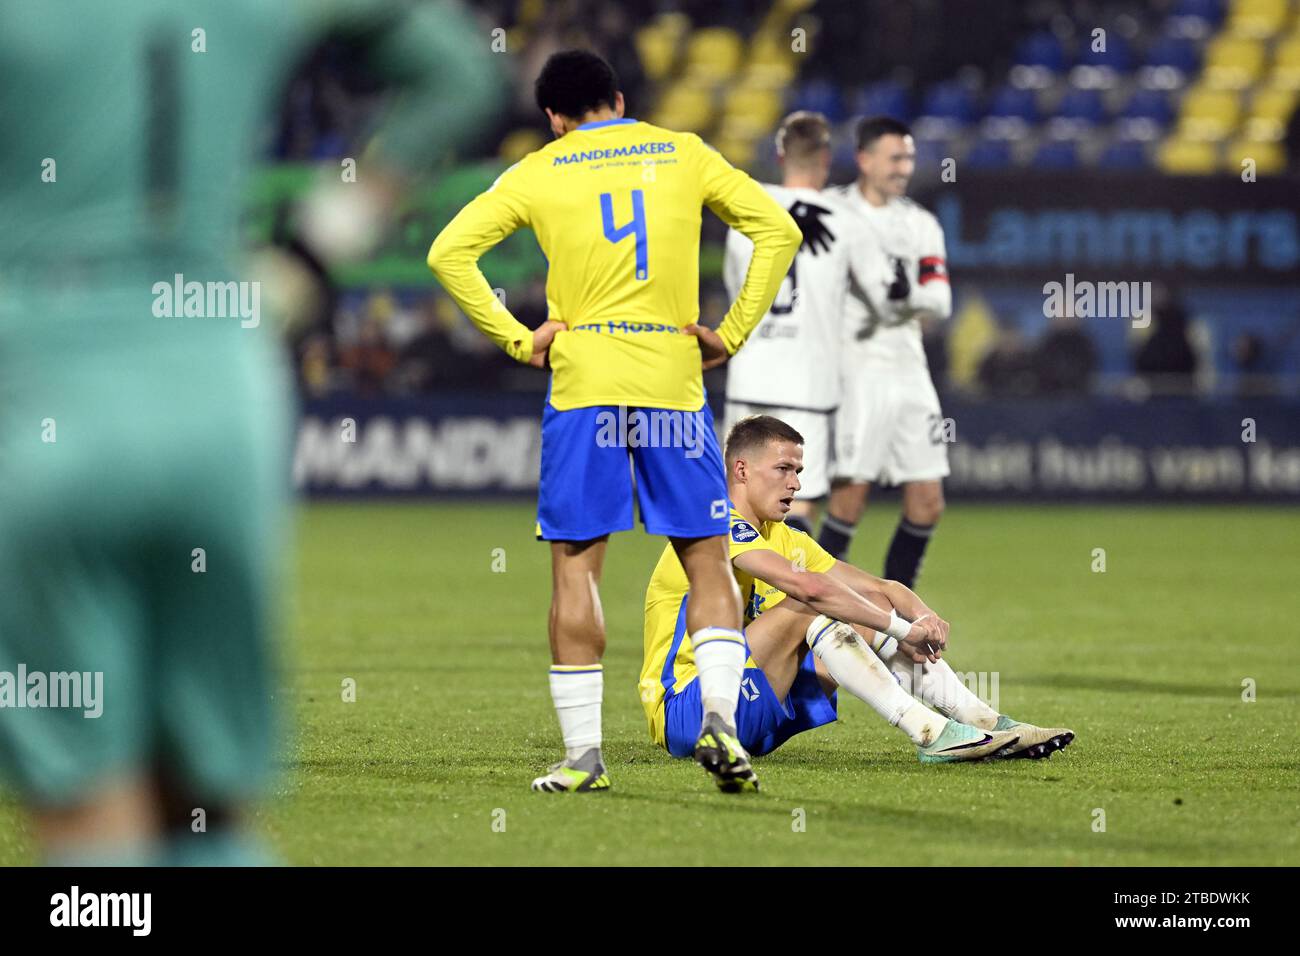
x=815, y=427
x=889, y=430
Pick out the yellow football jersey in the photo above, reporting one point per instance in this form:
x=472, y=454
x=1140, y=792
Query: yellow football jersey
x=615, y=206
x=668, y=585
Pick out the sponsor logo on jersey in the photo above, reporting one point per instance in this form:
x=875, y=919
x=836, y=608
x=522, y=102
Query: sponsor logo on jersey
x=636, y=149
x=743, y=531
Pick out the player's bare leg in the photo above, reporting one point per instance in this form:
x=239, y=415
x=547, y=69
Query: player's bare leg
x=577, y=633
x=923, y=505
x=713, y=621
x=117, y=823
x=848, y=500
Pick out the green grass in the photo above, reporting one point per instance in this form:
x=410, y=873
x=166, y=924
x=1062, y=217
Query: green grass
x=453, y=716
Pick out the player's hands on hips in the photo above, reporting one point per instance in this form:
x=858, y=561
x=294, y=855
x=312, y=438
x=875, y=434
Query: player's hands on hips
x=713, y=351
x=543, y=335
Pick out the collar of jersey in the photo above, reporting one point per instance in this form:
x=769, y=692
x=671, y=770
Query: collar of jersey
x=597, y=124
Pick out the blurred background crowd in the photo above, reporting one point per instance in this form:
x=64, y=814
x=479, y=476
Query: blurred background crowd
x=1040, y=98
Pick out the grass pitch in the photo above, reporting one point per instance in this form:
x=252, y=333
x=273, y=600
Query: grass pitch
x=452, y=718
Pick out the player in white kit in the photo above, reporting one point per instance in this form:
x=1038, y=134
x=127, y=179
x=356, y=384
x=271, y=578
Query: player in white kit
x=789, y=368
x=889, y=427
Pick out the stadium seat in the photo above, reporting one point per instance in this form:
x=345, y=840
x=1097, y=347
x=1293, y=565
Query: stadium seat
x=1042, y=49
x=1117, y=56
x=989, y=154
x=1270, y=110
x=1269, y=156
x=656, y=48
x=751, y=108
x=821, y=96
x=1057, y=155
x=1209, y=114
x=1011, y=103
x=951, y=101
x=1149, y=104
x=883, y=99
x=1124, y=154
x=1085, y=105
x=1182, y=157
x=1210, y=11
x=1260, y=19
x=1286, y=63
x=713, y=54
x=1233, y=63
x=686, y=106
x=1176, y=52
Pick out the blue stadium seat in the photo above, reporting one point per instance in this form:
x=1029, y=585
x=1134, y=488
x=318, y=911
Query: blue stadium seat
x=820, y=96
x=1209, y=10
x=1042, y=49
x=1010, y=102
x=950, y=101
x=1057, y=154
x=1149, y=104
x=1118, y=54
x=989, y=154
x=1177, y=52
x=1123, y=154
x=883, y=99
x=1086, y=105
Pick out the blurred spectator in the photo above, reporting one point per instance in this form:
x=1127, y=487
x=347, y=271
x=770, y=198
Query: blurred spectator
x=1066, y=359
x=1166, y=361
x=1251, y=364
x=1008, y=369
x=369, y=359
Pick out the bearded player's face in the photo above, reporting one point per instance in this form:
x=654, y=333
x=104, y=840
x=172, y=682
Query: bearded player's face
x=888, y=164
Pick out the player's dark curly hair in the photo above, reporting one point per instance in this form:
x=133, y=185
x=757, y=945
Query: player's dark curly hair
x=575, y=82
x=871, y=128
x=755, y=432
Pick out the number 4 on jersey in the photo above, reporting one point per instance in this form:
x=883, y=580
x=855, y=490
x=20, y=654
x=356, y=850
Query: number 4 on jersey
x=634, y=228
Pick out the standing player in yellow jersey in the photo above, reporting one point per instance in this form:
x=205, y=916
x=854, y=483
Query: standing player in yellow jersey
x=815, y=624
x=615, y=205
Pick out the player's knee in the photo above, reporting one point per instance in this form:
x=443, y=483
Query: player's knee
x=926, y=509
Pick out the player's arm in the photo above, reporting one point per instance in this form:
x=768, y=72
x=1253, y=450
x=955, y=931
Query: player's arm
x=906, y=601
x=828, y=595
x=931, y=295
x=745, y=206
x=454, y=256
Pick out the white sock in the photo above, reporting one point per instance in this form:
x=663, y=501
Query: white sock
x=577, y=690
x=936, y=684
x=720, y=658
x=855, y=668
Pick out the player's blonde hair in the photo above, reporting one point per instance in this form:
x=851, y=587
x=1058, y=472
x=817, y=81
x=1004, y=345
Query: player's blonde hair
x=755, y=431
x=802, y=135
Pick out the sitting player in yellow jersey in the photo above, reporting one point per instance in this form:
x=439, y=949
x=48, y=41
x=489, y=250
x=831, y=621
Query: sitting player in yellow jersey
x=874, y=638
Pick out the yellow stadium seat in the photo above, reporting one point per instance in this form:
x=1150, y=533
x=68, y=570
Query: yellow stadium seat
x=520, y=143
x=1233, y=62
x=1209, y=114
x=1286, y=63
x=686, y=106
x=657, y=50
x=1257, y=18
x=1182, y=157
x=714, y=53
x=755, y=105
x=1269, y=157
x=1270, y=109
x=738, y=150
